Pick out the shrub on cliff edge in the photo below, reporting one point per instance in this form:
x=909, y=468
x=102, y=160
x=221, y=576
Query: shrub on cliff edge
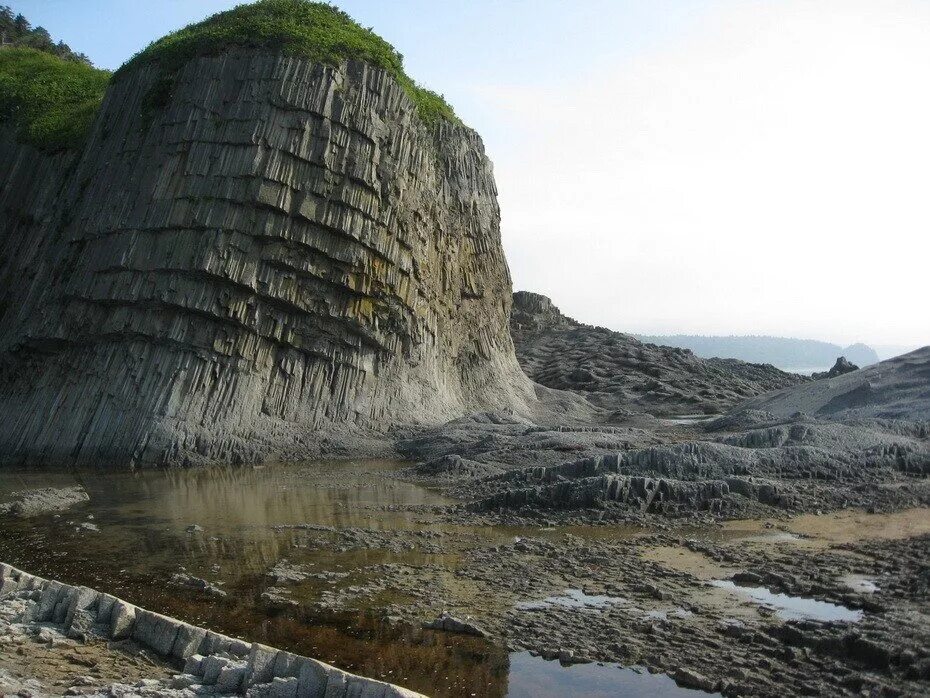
x=50, y=101
x=316, y=30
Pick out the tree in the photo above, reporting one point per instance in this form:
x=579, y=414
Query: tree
x=16, y=30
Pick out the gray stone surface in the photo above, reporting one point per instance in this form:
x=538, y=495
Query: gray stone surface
x=617, y=372
x=898, y=388
x=156, y=631
x=42, y=501
x=224, y=666
x=281, y=248
x=122, y=620
x=451, y=624
x=799, y=464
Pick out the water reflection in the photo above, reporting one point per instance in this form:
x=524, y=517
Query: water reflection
x=792, y=607
x=230, y=526
x=573, y=598
x=534, y=677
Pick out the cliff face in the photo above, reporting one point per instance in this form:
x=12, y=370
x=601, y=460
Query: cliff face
x=281, y=247
x=616, y=371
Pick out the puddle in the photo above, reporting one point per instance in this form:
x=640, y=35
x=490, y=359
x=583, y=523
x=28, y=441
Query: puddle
x=860, y=583
x=534, y=677
x=573, y=598
x=689, y=419
x=792, y=607
x=774, y=537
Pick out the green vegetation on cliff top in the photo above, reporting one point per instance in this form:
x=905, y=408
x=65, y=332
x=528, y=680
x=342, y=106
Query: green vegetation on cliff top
x=50, y=101
x=316, y=30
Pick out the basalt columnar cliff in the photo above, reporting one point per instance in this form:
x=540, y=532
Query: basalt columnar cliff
x=244, y=252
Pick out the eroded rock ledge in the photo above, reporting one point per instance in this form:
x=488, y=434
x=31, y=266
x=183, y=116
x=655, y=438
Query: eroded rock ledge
x=212, y=663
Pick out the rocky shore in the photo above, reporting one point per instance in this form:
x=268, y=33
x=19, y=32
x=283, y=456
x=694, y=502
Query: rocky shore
x=180, y=660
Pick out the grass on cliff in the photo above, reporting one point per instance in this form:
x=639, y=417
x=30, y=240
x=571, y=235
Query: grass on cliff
x=50, y=101
x=316, y=30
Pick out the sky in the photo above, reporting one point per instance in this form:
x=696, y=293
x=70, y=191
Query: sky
x=669, y=167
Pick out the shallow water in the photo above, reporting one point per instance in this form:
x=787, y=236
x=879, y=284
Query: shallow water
x=686, y=419
x=248, y=520
x=232, y=525
x=860, y=583
x=573, y=598
x=792, y=607
x=534, y=677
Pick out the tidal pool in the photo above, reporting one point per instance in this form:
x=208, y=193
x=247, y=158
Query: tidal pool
x=231, y=526
x=340, y=522
x=534, y=677
x=572, y=598
x=792, y=607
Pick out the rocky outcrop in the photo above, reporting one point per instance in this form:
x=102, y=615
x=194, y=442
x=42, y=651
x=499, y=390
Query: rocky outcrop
x=898, y=388
x=281, y=247
x=451, y=624
x=42, y=501
x=640, y=493
x=615, y=371
x=212, y=663
x=839, y=368
x=795, y=465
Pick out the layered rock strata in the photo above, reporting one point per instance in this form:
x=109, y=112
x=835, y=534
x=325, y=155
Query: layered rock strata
x=212, y=663
x=616, y=371
x=793, y=465
x=281, y=247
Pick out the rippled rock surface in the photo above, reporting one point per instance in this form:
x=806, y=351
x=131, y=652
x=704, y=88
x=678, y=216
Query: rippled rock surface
x=616, y=371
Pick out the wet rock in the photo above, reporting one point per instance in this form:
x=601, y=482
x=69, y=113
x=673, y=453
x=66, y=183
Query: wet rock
x=42, y=501
x=286, y=573
x=692, y=679
x=277, y=598
x=452, y=624
x=868, y=651
x=186, y=580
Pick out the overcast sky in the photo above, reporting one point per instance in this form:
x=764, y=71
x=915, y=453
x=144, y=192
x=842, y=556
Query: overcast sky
x=731, y=167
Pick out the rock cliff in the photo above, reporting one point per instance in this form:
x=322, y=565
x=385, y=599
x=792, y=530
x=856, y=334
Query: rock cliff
x=616, y=371
x=280, y=246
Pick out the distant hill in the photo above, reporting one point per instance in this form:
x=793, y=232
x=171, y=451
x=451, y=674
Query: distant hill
x=783, y=352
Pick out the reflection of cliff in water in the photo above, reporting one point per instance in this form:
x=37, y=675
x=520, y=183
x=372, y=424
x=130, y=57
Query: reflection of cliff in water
x=250, y=520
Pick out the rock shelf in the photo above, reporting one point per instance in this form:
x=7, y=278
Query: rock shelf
x=212, y=663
